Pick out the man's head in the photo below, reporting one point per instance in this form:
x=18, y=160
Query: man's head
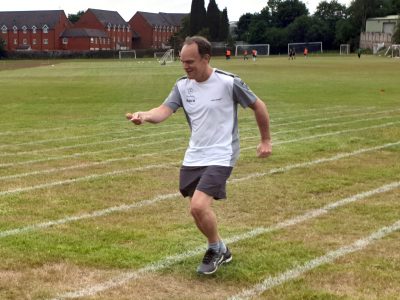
x=195, y=57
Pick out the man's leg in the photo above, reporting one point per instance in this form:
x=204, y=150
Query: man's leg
x=204, y=216
x=206, y=221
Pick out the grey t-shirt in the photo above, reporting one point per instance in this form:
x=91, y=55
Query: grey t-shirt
x=211, y=111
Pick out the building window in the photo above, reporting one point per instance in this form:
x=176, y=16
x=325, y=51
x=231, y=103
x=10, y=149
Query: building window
x=34, y=29
x=15, y=42
x=4, y=29
x=45, y=41
x=91, y=40
x=24, y=30
x=65, y=41
x=34, y=42
x=15, y=29
x=45, y=29
x=25, y=41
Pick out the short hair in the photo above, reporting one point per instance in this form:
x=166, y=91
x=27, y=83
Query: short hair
x=203, y=44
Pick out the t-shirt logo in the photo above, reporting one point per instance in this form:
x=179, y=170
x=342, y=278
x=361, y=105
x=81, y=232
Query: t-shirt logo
x=190, y=97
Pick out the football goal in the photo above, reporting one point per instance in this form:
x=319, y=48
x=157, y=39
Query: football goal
x=344, y=49
x=394, y=50
x=312, y=47
x=124, y=54
x=165, y=57
x=376, y=47
x=262, y=49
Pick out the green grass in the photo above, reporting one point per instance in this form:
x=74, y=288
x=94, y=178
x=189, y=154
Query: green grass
x=63, y=134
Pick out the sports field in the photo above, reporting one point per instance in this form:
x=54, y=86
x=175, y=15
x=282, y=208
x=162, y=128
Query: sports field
x=89, y=203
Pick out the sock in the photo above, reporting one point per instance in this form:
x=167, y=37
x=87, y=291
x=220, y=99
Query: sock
x=222, y=246
x=214, y=246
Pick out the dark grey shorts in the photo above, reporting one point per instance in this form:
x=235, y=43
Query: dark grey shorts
x=208, y=179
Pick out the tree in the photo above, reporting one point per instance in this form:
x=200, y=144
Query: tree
x=2, y=48
x=243, y=24
x=197, y=17
x=213, y=19
x=396, y=35
x=287, y=11
x=329, y=13
x=224, y=25
x=75, y=17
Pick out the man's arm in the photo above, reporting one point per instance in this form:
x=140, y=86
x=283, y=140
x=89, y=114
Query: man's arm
x=155, y=115
x=264, y=149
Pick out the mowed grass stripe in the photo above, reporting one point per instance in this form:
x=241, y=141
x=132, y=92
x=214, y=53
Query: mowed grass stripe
x=126, y=277
x=86, y=165
x=271, y=282
x=159, y=198
x=122, y=172
x=4, y=154
x=162, y=125
x=79, y=154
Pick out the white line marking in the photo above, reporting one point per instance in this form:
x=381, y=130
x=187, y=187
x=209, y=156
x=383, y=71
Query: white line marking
x=335, y=108
x=83, y=178
x=161, y=133
x=52, y=170
x=155, y=199
x=168, y=261
x=331, y=256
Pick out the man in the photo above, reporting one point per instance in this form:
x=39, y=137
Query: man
x=209, y=98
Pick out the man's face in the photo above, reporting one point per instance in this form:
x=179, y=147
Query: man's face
x=195, y=66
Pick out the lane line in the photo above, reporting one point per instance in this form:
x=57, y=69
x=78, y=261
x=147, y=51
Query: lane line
x=4, y=154
x=126, y=277
x=53, y=170
x=158, y=198
x=329, y=257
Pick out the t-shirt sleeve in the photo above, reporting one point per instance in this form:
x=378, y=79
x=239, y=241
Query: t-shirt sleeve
x=242, y=93
x=174, y=99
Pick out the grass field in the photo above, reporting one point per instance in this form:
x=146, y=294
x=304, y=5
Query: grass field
x=89, y=206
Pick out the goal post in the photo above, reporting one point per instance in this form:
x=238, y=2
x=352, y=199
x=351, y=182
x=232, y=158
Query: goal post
x=165, y=57
x=312, y=47
x=344, y=49
x=394, y=49
x=262, y=49
x=127, y=54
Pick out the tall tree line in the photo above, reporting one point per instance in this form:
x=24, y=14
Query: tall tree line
x=286, y=21
x=211, y=23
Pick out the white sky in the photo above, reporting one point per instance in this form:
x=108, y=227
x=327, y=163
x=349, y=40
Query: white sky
x=127, y=8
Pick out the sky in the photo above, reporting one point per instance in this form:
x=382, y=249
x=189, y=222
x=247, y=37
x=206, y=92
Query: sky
x=127, y=8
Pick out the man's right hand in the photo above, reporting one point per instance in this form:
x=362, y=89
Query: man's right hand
x=136, y=118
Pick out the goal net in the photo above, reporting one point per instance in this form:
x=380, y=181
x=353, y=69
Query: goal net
x=312, y=47
x=262, y=49
x=125, y=54
x=344, y=49
x=376, y=47
x=165, y=57
x=394, y=50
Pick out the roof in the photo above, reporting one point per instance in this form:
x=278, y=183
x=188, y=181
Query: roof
x=108, y=17
x=37, y=18
x=167, y=19
x=387, y=18
x=83, y=32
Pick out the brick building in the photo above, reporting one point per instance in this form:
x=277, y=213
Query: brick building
x=153, y=30
x=33, y=30
x=84, y=39
x=117, y=32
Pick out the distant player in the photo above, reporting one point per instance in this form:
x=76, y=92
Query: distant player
x=209, y=98
x=254, y=53
x=305, y=52
x=228, y=54
x=245, y=55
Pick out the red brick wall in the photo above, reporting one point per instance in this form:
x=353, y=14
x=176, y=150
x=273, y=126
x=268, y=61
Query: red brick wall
x=36, y=40
x=144, y=29
x=121, y=35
